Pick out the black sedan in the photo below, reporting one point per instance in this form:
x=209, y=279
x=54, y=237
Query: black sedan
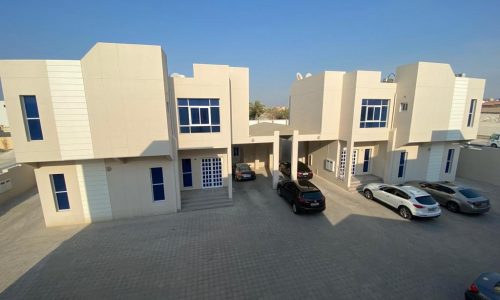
x=303, y=172
x=302, y=195
x=243, y=172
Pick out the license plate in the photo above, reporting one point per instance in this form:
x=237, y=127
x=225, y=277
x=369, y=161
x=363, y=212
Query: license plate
x=246, y=176
x=314, y=204
x=432, y=209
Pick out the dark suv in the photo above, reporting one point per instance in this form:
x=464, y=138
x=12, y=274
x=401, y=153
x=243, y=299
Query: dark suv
x=303, y=172
x=303, y=195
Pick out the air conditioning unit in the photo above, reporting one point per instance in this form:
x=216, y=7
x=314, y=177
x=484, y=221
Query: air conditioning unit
x=329, y=164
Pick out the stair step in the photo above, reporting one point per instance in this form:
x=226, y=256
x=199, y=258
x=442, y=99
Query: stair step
x=207, y=204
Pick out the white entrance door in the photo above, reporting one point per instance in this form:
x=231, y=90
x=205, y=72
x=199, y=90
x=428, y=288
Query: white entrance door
x=211, y=172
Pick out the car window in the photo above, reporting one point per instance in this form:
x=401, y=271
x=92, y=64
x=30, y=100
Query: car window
x=445, y=189
x=401, y=194
x=312, y=195
x=469, y=193
x=387, y=189
x=426, y=200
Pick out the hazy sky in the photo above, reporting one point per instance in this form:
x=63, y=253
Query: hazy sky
x=275, y=39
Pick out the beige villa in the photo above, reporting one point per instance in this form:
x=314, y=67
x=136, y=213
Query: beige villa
x=113, y=135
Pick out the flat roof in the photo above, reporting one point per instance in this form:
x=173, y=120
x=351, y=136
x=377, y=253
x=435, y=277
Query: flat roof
x=268, y=129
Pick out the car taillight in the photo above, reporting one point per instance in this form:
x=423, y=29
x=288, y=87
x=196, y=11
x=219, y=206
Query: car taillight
x=473, y=288
x=302, y=200
x=418, y=206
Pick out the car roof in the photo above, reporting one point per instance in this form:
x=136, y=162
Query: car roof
x=305, y=186
x=413, y=191
x=446, y=184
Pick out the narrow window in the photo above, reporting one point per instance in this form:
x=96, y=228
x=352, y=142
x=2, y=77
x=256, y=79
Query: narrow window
x=342, y=163
x=31, y=118
x=366, y=161
x=236, y=151
x=403, y=106
x=187, y=173
x=449, y=160
x=60, y=192
x=354, y=161
x=310, y=159
x=472, y=111
x=402, y=164
x=157, y=182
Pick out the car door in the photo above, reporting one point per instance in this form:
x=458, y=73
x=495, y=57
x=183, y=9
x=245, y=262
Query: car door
x=384, y=194
x=400, y=198
x=289, y=191
x=437, y=192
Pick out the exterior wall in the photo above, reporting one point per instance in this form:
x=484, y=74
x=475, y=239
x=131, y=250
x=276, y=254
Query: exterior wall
x=75, y=214
x=30, y=77
x=240, y=95
x=306, y=103
x=21, y=178
x=125, y=91
x=130, y=189
x=94, y=190
x=477, y=165
x=475, y=91
x=209, y=81
x=196, y=156
x=320, y=151
x=489, y=124
x=258, y=156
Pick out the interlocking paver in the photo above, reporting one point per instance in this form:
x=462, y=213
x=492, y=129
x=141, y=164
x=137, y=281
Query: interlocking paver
x=256, y=249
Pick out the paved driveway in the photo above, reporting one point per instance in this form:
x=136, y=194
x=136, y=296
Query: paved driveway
x=356, y=249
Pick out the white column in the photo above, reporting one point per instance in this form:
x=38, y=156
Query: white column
x=276, y=157
x=295, y=154
x=230, y=172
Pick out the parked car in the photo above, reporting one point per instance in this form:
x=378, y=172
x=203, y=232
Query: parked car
x=303, y=171
x=243, y=172
x=303, y=195
x=495, y=140
x=408, y=200
x=455, y=198
x=486, y=286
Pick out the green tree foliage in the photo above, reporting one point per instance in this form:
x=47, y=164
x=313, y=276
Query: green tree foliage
x=256, y=109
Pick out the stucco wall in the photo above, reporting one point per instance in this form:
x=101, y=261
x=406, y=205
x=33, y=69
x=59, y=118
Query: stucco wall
x=196, y=156
x=75, y=214
x=130, y=188
x=481, y=165
x=22, y=179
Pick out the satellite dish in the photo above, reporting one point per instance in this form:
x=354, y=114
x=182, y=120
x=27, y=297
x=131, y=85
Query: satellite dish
x=308, y=75
x=299, y=76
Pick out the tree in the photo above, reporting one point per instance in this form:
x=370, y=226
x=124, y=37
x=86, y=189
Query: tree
x=277, y=113
x=256, y=109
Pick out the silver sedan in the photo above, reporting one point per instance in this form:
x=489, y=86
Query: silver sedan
x=455, y=198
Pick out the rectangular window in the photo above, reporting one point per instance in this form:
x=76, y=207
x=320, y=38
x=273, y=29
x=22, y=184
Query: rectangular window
x=472, y=111
x=403, y=106
x=60, y=192
x=354, y=161
x=366, y=161
x=449, y=160
x=236, y=151
x=374, y=113
x=187, y=173
x=342, y=163
x=198, y=115
x=157, y=183
x=402, y=164
x=31, y=118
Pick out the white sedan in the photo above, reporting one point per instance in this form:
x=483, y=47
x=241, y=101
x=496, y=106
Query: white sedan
x=408, y=200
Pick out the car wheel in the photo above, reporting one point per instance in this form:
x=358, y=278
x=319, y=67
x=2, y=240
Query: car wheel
x=452, y=206
x=494, y=145
x=295, y=209
x=405, y=213
x=368, y=194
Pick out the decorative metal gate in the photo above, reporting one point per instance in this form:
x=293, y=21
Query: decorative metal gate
x=211, y=172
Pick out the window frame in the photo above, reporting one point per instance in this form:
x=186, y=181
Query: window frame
x=403, y=106
x=27, y=119
x=449, y=161
x=213, y=103
x=56, y=192
x=236, y=151
x=368, y=105
x=471, y=113
x=153, y=184
x=402, y=172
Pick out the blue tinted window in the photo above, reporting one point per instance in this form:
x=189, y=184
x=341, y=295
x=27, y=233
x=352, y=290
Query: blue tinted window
x=199, y=102
x=30, y=107
x=187, y=180
x=204, y=116
x=449, y=160
x=157, y=175
x=183, y=116
x=402, y=164
x=195, y=116
x=60, y=192
x=157, y=182
x=158, y=192
x=373, y=113
x=214, y=111
x=186, y=165
x=35, y=130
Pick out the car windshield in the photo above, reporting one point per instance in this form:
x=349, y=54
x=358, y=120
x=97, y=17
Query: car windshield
x=426, y=200
x=243, y=168
x=469, y=193
x=312, y=195
x=494, y=136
